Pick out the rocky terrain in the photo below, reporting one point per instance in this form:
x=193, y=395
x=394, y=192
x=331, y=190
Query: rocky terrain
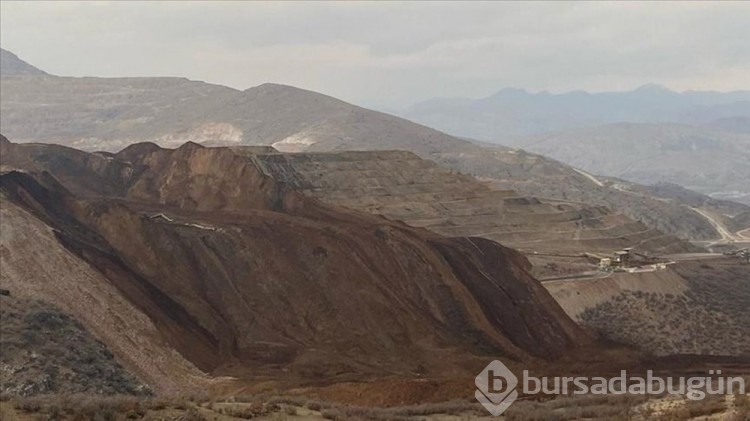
x=110, y=113
x=321, y=249
x=694, y=199
x=535, y=175
x=227, y=272
x=734, y=216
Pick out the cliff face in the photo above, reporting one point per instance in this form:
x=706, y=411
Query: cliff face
x=245, y=277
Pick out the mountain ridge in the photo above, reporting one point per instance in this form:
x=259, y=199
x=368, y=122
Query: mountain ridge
x=11, y=64
x=511, y=113
x=109, y=114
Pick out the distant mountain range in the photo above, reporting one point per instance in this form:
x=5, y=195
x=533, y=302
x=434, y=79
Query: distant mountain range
x=516, y=112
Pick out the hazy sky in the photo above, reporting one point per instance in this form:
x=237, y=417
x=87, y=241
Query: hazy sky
x=391, y=54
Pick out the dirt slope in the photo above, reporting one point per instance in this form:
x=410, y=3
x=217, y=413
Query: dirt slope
x=245, y=277
x=37, y=267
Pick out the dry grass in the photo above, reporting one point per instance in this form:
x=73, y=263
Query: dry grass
x=561, y=408
x=742, y=403
x=614, y=407
x=94, y=407
x=699, y=322
x=712, y=404
x=456, y=408
x=47, y=351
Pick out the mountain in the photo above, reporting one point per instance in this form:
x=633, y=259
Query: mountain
x=111, y=113
x=195, y=250
x=709, y=161
x=346, y=265
x=516, y=112
x=10, y=64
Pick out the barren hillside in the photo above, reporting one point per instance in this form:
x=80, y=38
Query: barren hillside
x=10, y=64
x=245, y=277
x=405, y=187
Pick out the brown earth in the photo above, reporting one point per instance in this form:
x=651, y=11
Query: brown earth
x=36, y=266
x=200, y=272
x=245, y=277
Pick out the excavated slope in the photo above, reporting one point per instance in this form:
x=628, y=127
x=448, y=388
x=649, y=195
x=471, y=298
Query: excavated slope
x=402, y=186
x=244, y=276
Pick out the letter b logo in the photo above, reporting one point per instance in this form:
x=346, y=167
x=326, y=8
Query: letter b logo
x=496, y=388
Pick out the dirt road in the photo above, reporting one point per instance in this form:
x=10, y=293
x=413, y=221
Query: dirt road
x=590, y=177
x=726, y=235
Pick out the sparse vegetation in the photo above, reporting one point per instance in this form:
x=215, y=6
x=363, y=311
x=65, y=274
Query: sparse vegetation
x=462, y=408
x=711, y=318
x=576, y=407
x=47, y=351
x=560, y=408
